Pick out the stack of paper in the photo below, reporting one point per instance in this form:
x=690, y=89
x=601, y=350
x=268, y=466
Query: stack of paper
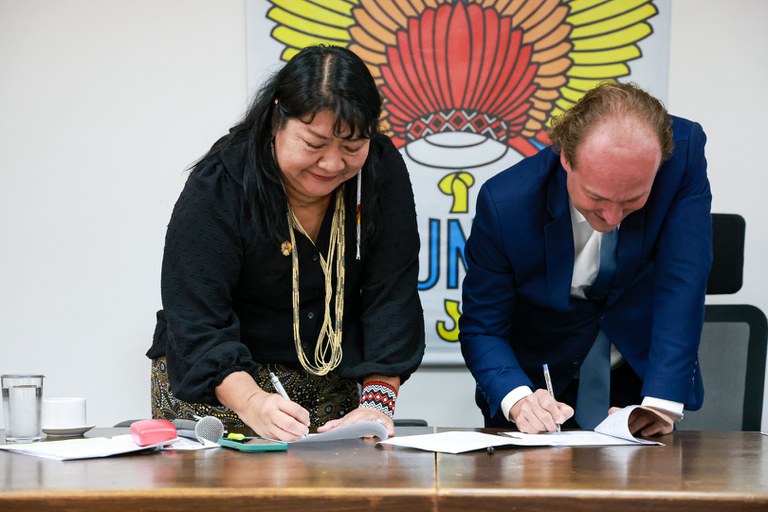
x=614, y=430
x=83, y=448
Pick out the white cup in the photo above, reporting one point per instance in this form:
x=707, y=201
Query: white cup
x=63, y=413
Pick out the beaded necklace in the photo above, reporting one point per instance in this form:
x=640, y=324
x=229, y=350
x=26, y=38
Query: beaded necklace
x=328, y=346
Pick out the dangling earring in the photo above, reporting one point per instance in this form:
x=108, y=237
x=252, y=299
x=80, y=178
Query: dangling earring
x=357, y=211
x=272, y=141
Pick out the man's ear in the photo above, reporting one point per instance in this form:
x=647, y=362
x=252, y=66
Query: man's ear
x=564, y=161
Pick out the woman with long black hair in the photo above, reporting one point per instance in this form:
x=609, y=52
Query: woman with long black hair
x=293, y=252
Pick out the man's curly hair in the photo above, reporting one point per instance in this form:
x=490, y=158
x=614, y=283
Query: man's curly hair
x=610, y=101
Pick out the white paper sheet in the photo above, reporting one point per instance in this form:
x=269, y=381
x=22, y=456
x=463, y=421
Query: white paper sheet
x=362, y=429
x=82, y=448
x=186, y=445
x=617, y=424
x=613, y=431
x=453, y=441
x=353, y=431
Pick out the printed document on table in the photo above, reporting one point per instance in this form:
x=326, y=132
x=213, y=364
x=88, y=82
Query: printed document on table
x=454, y=441
x=617, y=424
x=353, y=431
x=83, y=448
x=613, y=431
x=183, y=444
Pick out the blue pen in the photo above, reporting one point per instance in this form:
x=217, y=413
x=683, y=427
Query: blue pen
x=548, y=380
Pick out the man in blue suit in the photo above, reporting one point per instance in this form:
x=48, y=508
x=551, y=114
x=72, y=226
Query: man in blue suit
x=621, y=199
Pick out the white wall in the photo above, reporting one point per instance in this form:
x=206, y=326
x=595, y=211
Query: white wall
x=718, y=76
x=104, y=104
x=102, y=107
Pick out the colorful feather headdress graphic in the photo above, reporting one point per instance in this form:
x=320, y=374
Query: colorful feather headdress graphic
x=469, y=88
x=497, y=68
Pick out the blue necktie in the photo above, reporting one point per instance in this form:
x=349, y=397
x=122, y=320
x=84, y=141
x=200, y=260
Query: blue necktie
x=594, y=392
x=607, y=269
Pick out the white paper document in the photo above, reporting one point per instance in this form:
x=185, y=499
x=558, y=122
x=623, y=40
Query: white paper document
x=362, y=429
x=617, y=424
x=183, y=444
x=82, y=448
x=454, y=441
x=614, y=430
x=353, y=431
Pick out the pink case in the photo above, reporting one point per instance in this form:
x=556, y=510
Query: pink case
x=147, y=432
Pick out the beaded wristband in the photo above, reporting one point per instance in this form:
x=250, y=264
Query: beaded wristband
x=380, y=396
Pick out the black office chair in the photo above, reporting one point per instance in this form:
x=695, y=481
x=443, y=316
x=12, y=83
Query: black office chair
x=124, y=424
x=733, y=341
x=410, y=422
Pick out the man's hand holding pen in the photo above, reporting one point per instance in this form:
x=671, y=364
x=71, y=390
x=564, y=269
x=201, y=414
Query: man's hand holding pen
x=539, y=412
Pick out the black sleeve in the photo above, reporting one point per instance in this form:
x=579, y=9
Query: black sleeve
x=201, y=267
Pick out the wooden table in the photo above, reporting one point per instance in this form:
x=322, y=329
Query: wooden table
x=695, y=471
x=348, y=475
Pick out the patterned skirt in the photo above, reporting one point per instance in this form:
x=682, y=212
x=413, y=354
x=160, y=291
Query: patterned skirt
x=325, y=398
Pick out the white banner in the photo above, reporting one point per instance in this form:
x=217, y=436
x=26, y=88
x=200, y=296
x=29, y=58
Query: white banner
x=468, y=88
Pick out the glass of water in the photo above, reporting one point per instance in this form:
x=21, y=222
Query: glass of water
x=22, y=407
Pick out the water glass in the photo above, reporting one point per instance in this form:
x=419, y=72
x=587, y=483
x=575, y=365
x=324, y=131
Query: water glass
x=22, y=407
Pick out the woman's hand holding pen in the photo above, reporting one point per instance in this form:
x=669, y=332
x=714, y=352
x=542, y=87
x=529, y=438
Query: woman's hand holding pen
x=539, y=412
x=268, y=414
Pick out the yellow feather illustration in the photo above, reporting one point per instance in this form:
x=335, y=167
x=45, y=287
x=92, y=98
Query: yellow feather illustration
x=302, y=23
x=431, y=55
x=604, y=37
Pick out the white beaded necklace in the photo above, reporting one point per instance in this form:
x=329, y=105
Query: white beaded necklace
x=328, y=346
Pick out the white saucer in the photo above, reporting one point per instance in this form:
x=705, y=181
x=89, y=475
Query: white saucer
x=71, y=431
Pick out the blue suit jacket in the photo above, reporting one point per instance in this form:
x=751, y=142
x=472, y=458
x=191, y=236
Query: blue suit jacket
x=517, y=309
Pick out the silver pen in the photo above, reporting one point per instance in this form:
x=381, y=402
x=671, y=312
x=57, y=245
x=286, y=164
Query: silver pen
x=278, y=386
x=280, y=390
x=548, y=381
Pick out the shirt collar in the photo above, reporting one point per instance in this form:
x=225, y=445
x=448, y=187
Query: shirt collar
x=576, y=216
x=577, y=219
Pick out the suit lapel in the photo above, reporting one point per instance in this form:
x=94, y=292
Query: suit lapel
x=629, y=251
x=558, y=239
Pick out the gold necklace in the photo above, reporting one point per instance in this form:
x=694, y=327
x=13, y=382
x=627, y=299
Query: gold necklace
x=328, y=346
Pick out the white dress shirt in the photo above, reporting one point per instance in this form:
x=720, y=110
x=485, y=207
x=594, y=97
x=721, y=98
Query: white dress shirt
x=586, y=246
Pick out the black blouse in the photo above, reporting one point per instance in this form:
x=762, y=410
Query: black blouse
x=226, y=285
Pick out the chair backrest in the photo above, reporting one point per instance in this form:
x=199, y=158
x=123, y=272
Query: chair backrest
x=732, y=359
x=727, y=273
x=733, y=341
